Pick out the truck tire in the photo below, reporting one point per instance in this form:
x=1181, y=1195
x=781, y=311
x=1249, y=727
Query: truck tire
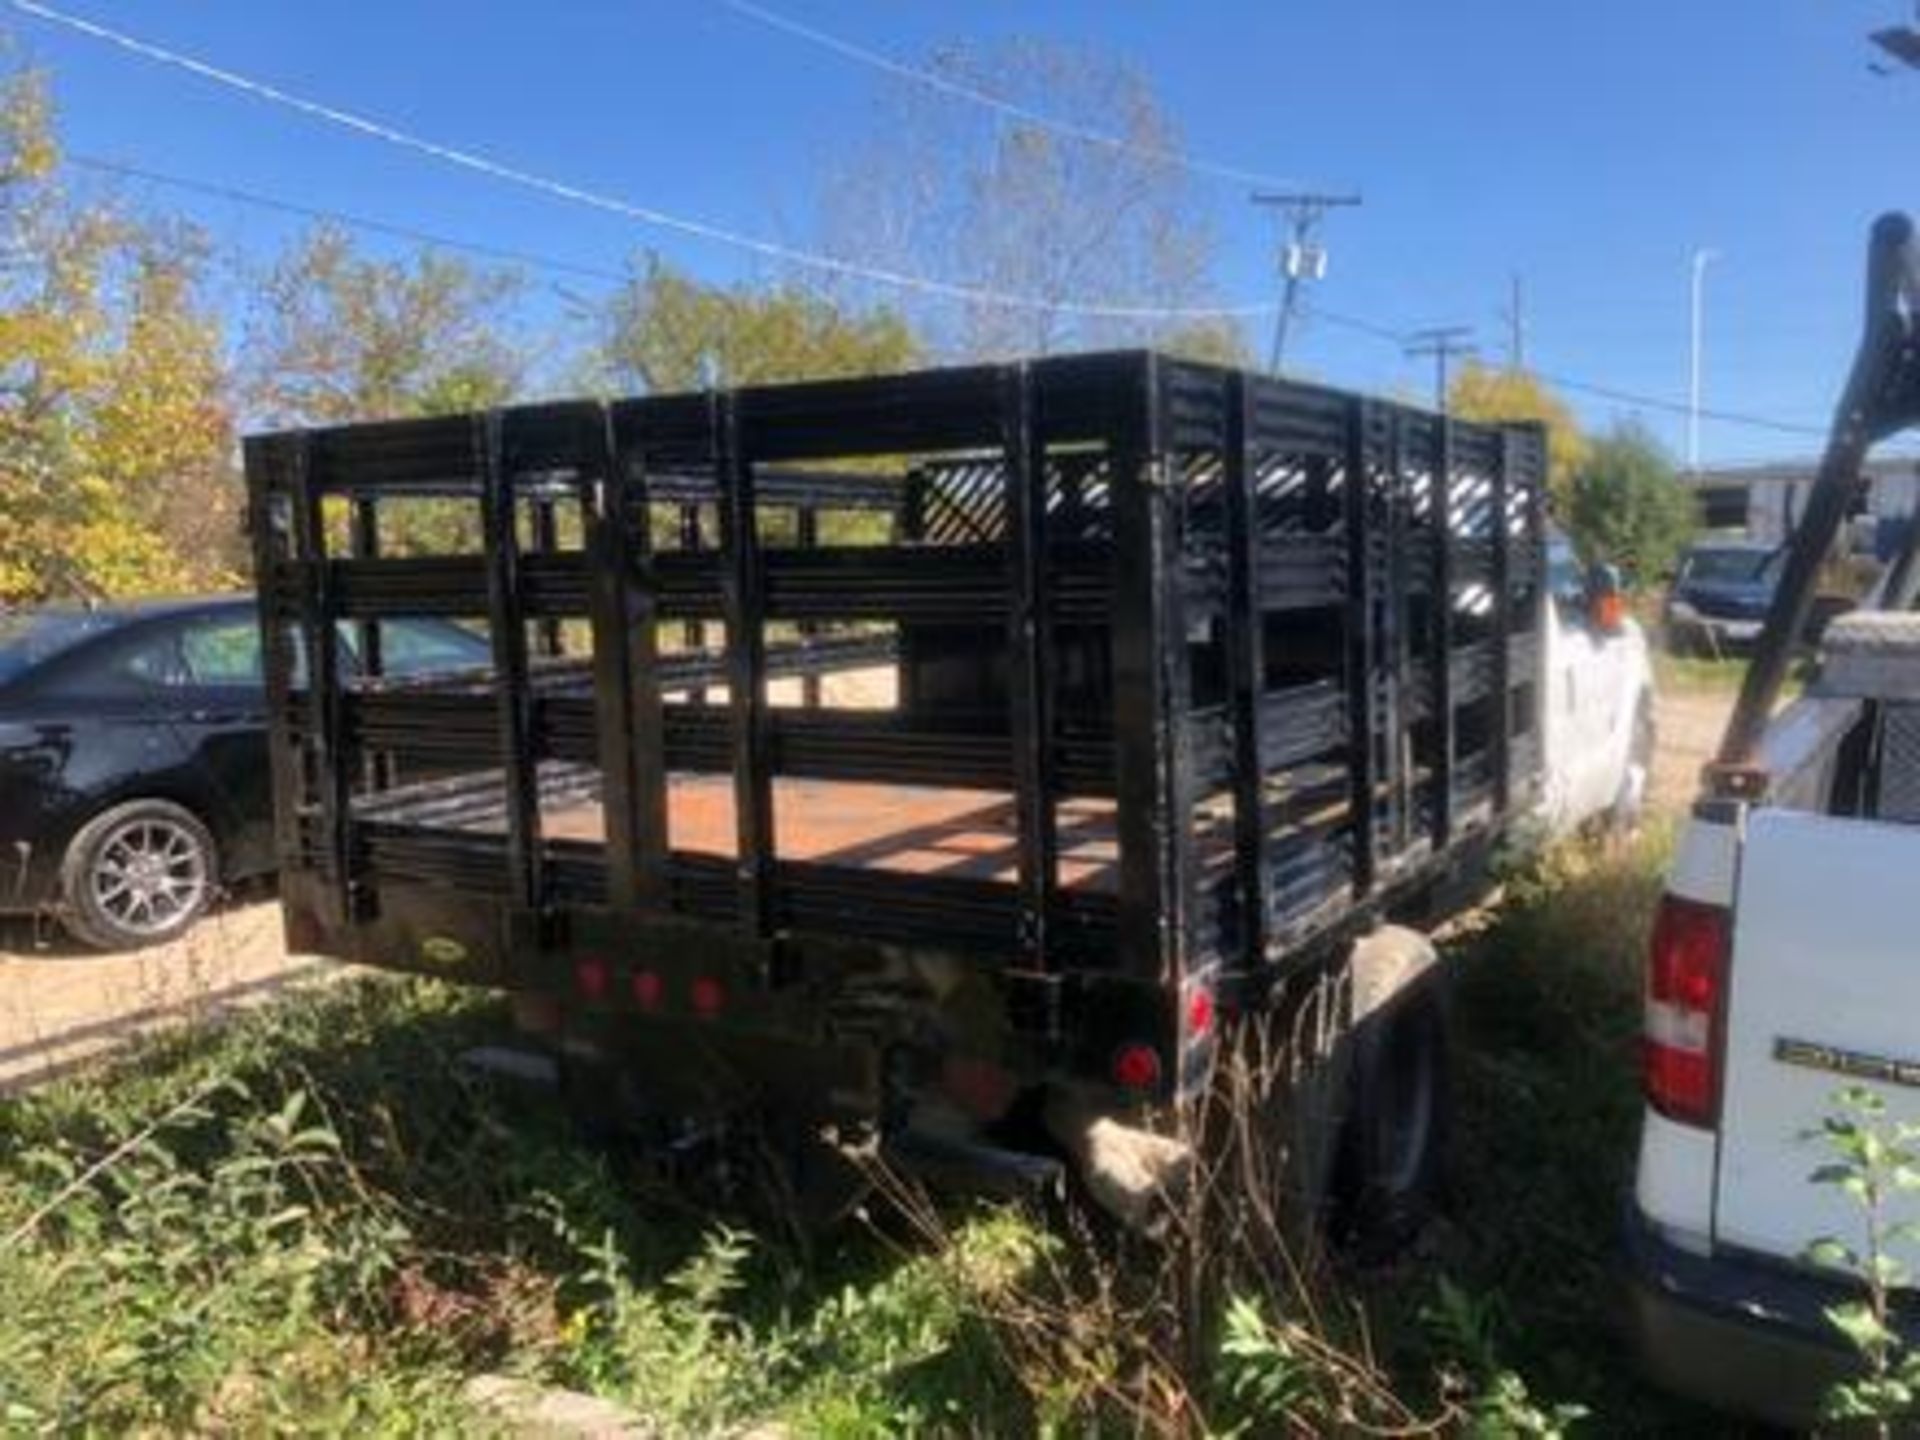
x=1394, y=1145
x=1312, y=1113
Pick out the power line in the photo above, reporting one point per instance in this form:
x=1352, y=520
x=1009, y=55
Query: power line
x=342, y=217
x=563, y=190
x=960, y=90
x=479, y=164
x=1678, y=407
x=570, y=267
x=1586, y=387
x=537, y=260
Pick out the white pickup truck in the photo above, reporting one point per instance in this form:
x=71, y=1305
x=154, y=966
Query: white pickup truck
x=1784, y=964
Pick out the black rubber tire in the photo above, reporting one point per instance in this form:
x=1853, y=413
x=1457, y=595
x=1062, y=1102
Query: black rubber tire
x=82, y=911
x=1392, y=1171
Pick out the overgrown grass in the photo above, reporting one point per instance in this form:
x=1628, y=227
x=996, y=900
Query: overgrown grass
x=1547, y=1107
x=318, y=1219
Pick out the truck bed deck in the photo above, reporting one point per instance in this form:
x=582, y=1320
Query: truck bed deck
x=906, y=829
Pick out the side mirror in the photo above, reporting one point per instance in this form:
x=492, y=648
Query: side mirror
x=1606, y=604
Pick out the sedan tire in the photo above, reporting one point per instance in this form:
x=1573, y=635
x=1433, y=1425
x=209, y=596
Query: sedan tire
x=137, y=874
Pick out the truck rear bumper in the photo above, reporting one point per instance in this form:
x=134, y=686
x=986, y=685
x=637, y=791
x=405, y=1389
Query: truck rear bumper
x=1738, y=1334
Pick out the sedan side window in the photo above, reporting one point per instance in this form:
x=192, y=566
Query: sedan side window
x=410, y=647
x=223, y=652
x=153, y=661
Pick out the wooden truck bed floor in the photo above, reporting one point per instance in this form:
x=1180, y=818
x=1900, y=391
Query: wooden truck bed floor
x=908, y=829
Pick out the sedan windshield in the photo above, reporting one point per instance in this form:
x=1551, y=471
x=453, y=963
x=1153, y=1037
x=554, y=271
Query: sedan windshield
x=1731, y=567
x=28, y=637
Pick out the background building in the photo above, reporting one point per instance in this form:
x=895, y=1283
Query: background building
x=1763, y=501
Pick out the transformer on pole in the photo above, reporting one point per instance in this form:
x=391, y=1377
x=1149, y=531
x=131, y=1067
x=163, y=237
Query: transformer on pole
x=1302, y=257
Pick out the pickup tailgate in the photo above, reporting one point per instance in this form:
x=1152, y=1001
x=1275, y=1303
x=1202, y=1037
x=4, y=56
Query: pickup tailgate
x=1825, y=991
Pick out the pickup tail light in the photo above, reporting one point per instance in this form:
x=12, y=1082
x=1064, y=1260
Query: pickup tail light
x=1686, y=1009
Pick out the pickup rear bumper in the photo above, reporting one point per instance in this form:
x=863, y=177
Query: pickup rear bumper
x=1740, y=1334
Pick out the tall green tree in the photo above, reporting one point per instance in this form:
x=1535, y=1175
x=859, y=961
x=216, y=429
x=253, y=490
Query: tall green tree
x=115, y=424
x=1628, y=505
x=665, y=331
x=336, y=335
x=1490, y=394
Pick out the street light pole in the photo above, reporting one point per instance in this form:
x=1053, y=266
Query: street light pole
x=1701, y=259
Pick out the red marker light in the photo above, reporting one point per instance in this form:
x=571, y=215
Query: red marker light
x=590, y=978
x=1136, y=1067
x=648, y=989
x=1200, y=1013
x=709, y=997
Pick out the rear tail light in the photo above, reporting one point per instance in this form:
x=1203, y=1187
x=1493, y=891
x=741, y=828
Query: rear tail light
x=709, y=997
x=1686, y=1004
x=590, y=977
x=648, y=989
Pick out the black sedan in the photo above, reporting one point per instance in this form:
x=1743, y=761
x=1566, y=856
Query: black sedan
x=133, y=757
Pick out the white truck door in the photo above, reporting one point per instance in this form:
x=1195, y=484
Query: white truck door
x=1824, y=992
x=1586, y=679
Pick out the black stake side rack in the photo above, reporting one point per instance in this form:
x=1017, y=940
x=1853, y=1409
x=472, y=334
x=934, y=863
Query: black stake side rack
x=1240, y=665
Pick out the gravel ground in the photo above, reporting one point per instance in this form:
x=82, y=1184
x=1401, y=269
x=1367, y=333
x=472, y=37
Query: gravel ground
x=62, y=1006
x=1688, y=725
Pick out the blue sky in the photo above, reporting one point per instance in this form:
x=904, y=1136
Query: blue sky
x=1589, y=148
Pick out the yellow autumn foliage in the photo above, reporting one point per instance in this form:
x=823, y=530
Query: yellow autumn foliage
x=1483, y=392
x=116, y=472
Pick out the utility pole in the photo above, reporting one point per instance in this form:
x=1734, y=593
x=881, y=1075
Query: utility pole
x=1701, y=259
x=1302, y=257
x=1442, y=342
x=1516, y=318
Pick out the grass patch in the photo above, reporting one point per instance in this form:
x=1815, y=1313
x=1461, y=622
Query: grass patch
x=1703, y=675
x=317, y=1219
x=1697, y=674
x=1547, y=1106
